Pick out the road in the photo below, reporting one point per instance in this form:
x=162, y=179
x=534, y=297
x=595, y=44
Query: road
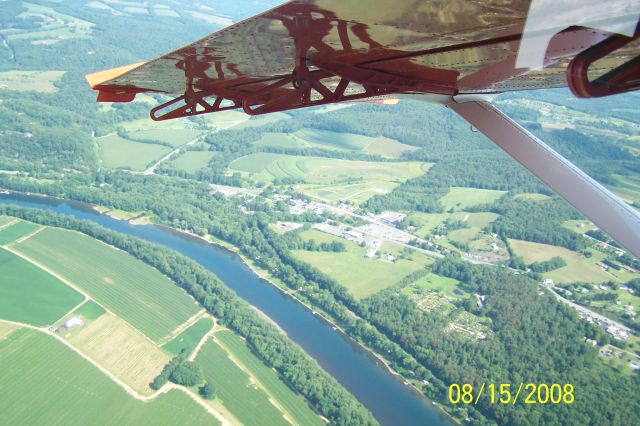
x=151, y=170
x=587, y=311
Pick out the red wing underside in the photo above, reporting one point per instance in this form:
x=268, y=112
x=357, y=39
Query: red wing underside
x=312, y=52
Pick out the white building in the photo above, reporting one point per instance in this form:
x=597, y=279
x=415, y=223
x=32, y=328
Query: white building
x=73, y=323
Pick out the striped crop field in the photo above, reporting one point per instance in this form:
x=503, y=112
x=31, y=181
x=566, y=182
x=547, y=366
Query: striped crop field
x=42, y=382
x=189, y=338
x=131, y=289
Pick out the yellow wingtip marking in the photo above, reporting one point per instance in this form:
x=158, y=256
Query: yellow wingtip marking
x=100, y=77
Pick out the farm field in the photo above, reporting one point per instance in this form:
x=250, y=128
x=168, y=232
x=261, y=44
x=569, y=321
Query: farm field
x=440, y=284
x=189, y=338
x=175, y=137
x=15, y=231
x=89, y=310
x=578, y=268
x=356, y=193
x=116, y=152
x=294, y=405
x=30, y=81
x=30, y=295
x=461, y=198
x=192, y=161
x=53, y=26
x=360, y=275
x=532, y=196
x=265, y=167
x=50, y=384
x=4, y=220
x=133, y=290
x=426, y=222
x=120, y=349
x=236, y=389
x=324, y=139
x=476, y=222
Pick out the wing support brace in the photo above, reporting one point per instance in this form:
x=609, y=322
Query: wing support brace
x=597, y=203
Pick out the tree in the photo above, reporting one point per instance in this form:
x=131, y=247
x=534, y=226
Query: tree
x=208, y=391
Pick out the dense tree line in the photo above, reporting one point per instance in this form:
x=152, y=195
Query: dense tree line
x=300, y=371
x=537, y=221
x=534, y=339
x=555, y=262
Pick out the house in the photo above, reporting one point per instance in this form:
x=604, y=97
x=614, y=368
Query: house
x=74, y=322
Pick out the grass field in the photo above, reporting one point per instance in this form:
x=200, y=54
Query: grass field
x=192, y=161
x=30, y=81
x=15, y=231
x=189, y=339
x=353, y=192
x=294, y=405
x=324, y=139
x=427, y=221
x=579, y=268
x=362, y=276
x=116, y=152
x=122, y=350
x=30, y=295
x=574, y=225
x=236, y=389
x=4, y=220
x=461, y=198
x=476, y=222
x=44, y=382
x=90, y=310
x=175, y=137
x=265, y=167
x=134, y=291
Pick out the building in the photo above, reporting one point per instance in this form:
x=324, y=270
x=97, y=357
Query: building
x=74, y=322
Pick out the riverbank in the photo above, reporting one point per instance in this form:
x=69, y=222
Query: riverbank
x=264, y=275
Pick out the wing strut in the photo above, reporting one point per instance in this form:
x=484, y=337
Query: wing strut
x=597, y=203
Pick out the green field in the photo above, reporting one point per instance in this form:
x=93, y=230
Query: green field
x=5, y=220
x=362, y=276
x=116, y=152
x=324, y=139
x=461, y=198
x=30, y=295
x=356, y=193
x=579, y=268
x=192, y=161
x=189, y=339
x=294, y=405
x=433, y=282
x=476, y=222
x=15, y=231
x=134, y=291
x=235, y=388
x=90, y=310
x=31, y=81
x=265, y=167
x=426, y=222
x=43, y=383
x=175, y=137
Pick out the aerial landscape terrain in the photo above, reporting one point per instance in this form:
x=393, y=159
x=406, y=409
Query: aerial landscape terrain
x=403, y=231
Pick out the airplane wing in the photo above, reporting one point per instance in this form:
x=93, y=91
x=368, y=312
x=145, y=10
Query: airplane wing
x=313, y=52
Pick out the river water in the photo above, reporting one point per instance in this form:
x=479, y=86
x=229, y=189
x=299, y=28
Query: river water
x=390, y=401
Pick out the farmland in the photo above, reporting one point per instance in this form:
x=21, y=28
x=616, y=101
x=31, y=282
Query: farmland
x=363, y=276
x=461, y=198
x=315, y=138
x=173, y=137
x=475, y=221
x=33, y=81
x=131, y=289
x=122, y=350
x=356, y=193
x=265, y=167
x=192, y=161
x=17, y=230
x=189, y=338
x=579, y=268
x=117, y=152
x=30, y=295
x=50, y=384
x=294, y=405
x=236, y=389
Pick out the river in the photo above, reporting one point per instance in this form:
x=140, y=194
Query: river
x=386, y=396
